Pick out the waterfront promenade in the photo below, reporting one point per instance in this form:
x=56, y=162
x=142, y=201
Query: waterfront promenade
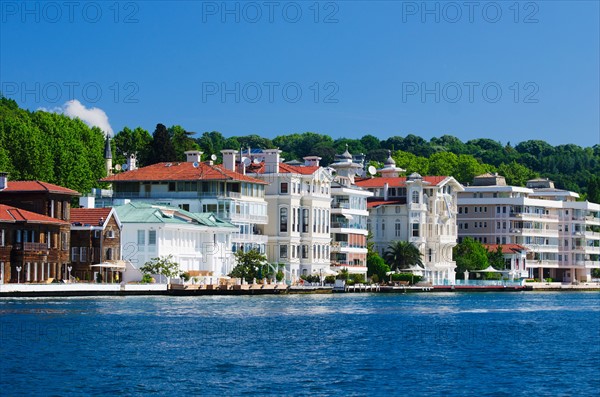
x=99, y=289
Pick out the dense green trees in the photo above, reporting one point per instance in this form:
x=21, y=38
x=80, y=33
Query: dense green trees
x=50, y=147
x=55, y=148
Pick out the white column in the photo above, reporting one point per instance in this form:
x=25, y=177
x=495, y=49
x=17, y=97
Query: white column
x=35, y=271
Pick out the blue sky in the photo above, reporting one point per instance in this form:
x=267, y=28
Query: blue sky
x=491, y=69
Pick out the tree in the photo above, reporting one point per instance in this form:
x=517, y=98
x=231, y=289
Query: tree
x=250, y=265
x=593, y=189
x=410, y=162
x=129, y=141
x=161, y=147
x=182, y=141
x=164, y=266
x=376, y=266
x=402, y=254
x=516, y=174
x=496, y=259
x=470, y=255
x=443, y=163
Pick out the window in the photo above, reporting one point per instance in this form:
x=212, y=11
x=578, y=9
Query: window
x=108, y=254
x=152, y=237
x=283, y=188
x=283, y=220
x=430, y=254
x=415, y=230
x=283, y=251
x=64, y=241
x=466, y=225
x=2, y=238
x=293, y=221
x=415, y=197
x=466, y=210
x=460, y=210
x=141, y=237
x=504, y=210
x=83, y=254
x=185, y=207
x=304, y=251
x=74, y=254
x=398, y=228
x=172, y=186
x=497, y=210
x=305, y=220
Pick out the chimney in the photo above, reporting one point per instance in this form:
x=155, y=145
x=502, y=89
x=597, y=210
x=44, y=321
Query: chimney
x=131, y=162
x=3, y=180
x=272, y=161
x=193, y=156
x=229, y=159
x=312, y=160
x=87, y=202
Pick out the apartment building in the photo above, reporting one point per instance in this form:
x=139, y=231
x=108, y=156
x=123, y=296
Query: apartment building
x=299, y=209
x=561, y=234
x=421, y=210
x=197, y=187
x=349, y=216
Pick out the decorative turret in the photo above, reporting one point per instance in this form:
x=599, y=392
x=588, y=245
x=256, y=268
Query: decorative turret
x=389, y=169
x=345, y=167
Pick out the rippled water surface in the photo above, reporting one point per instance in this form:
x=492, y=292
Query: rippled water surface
x=455, y=344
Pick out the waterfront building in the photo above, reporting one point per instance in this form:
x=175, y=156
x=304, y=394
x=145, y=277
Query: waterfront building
x=299, y=209
x=36, y=224
x=562, y=235
x=515, y=259
x=421, y=210
x=199, y=242
x=348, y=216
x=96, y=244
x=197, y=187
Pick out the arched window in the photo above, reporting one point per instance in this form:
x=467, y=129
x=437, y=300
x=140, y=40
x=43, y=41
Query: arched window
x=397, y=228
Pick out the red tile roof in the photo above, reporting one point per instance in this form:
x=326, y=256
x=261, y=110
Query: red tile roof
x=285, y=168
x=377, y=203
x=184, y=171
x=396, y=181
x=37, y=186
x=89, y=216
x=13, y=214
x=506, y=248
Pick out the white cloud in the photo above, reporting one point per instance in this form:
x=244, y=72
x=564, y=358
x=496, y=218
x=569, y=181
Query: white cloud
x=94, y=117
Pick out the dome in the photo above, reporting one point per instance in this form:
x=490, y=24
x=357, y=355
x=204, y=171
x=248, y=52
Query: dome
x=390, y=161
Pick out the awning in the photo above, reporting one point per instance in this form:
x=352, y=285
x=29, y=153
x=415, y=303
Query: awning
x=118, y=265
x=348, y=216
x=490, y=269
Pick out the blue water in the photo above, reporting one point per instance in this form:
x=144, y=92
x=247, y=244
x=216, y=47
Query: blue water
x=455, y=344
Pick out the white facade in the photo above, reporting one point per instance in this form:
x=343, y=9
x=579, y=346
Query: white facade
x=561, y=234
x=151, y=231
x=348, y=217
x=199, y=188
x=299, y=210
x=420, y=210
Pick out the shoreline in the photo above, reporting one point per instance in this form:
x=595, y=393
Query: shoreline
x=82, y=290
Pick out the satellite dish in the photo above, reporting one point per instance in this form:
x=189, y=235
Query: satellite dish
x=246, y=161
x=118, y=167
x=124, y=167
x=372, y=170
x=213, y=157
x=256, y=161
x=195, y=164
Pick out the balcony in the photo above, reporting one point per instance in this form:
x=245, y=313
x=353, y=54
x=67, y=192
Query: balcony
x=235, y=217
x=31, y=247
x=249, y=238
x=341, y=205
x=347, y=225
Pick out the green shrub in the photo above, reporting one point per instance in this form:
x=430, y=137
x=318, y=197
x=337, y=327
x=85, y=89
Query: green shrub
x=358, y=278
x=146, y=279
x=375, y=278
x=279, y=275
x=549, y=280
x=412, y=278
x=330, y=280
x=185, y=276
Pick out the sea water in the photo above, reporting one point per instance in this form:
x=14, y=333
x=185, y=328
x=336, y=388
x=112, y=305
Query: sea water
x=452, y=344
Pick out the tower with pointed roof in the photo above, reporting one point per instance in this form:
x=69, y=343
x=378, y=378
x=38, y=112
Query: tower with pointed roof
x=108, y=156
x=389, y=169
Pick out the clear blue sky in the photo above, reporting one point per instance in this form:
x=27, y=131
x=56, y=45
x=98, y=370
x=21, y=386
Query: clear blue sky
x=168, y=63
